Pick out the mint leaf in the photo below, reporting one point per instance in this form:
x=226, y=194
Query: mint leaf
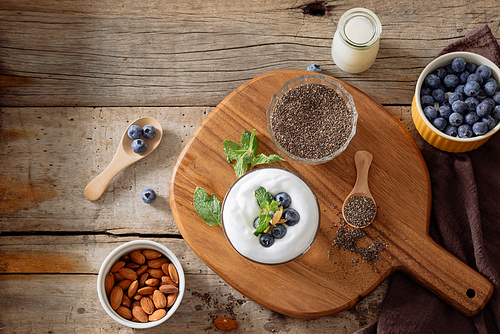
x=208, y=208
x=274, y=206
x=264, y=220
x=246, y=153
x=263, y=195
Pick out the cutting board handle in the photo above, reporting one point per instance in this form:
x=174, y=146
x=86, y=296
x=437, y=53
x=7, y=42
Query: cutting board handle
x=449, y=278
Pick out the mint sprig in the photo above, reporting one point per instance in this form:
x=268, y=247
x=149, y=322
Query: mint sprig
x=266, y=203
x=208, y=208
x=245, y=153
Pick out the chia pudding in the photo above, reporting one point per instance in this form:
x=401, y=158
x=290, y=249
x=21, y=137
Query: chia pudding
x=312, y=121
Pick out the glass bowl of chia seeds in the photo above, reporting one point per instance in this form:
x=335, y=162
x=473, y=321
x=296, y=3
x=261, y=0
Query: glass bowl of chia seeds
x=312, y=119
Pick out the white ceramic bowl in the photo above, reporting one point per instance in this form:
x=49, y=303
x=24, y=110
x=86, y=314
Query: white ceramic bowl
x=432, y=135
x=114, y=257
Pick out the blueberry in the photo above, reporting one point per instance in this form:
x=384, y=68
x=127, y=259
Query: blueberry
x=440, y=123
x=489, y=121
x=438, y=95
x=446, y=103
x=256, y=222
x=458, y=65
x=484, y=71
x=149, y=132
x=496, y=112
x=278, y=231
x=451, y=130
x=480, y=128
x=134, y=132
x=483, y=109
x=444, y=111
x=460, y=89
x=271, y=213
x=481, y=95
x=148, y=196
x=314, y=68
x=496, y=97
x=471, y=67
x=471, y=118
x=430, y=112
x=451, y=81
x=490, y=88
x=464, y=131
x=139, y=146
x=472, y=88
x=459, y=107
x=440, y=72
x=425, y=91
x=266, y=240
x=463, y=77
x=432, y=81
x=292, y=217
x=489, y=101
x=426, y=100
x=456, y=119
x=455, y=97
x=471, y=103
x=449, y=70
x=284, y=200
x=475, y=77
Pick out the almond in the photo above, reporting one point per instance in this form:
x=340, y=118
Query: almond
x=146, y=290
x=132, y=265
x=172, y=272
x=128, y=273
x=125, y=258
x=151, y=254
x=134, y=304
x=137, y=297
x=147, y=305
x=167, y=280
x=117, y=266
x=118, y=277
x=124, y=284
x=115, y=297
x=156, y=273
x=152, y=282
x=124, y=312
x=159, y=299
x=139, y=314
x=126, y=301
x=132, y=289
x=225, y=324
x=137, y=257
x=157, y=315
x=168, y=289
x=141, y=270
x=164, y=268
x=142, y=279
x=171, y=298
x=157, y=263
x=109, y=283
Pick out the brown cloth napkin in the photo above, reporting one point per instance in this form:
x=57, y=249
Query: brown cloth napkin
x=465, y=219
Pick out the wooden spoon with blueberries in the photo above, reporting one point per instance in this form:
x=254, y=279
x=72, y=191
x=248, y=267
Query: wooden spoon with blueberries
x=359, y=208
x=140, y=139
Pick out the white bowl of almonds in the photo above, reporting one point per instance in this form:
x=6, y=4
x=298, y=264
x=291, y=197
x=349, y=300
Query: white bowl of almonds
x=141, y=284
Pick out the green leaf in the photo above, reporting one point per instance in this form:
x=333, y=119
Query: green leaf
x=208, y=208
x=274, y=206
x=264, y=219
x=263, y=159
x=262, y=195
x=231, y=150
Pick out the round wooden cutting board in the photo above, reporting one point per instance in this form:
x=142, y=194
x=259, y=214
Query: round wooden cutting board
x=326, y=279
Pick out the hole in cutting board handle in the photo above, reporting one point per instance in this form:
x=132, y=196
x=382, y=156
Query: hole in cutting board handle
x=471, y=293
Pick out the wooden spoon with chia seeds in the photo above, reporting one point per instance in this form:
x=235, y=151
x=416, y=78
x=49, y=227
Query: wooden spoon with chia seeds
x=359, y=207
x=124, y=157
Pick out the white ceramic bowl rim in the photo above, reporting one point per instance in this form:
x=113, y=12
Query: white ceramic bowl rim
x=114, y=256
x=442, y=61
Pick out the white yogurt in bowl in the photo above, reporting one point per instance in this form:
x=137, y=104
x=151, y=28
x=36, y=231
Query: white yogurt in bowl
x=240, y=208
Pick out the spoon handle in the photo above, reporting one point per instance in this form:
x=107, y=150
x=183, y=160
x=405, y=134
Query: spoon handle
x=97, y=186
x=363, y=160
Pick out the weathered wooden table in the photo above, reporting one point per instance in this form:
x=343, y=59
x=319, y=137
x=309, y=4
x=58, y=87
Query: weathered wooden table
x=73, y=74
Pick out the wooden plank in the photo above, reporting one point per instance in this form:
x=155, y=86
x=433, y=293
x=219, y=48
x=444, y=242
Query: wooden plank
x=152, y=53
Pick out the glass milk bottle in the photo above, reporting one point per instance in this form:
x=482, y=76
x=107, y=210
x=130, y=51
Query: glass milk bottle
x=356, y=41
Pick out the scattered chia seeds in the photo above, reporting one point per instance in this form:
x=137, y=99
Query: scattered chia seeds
x=348, y=238
x=311, y=121
x=359, y=211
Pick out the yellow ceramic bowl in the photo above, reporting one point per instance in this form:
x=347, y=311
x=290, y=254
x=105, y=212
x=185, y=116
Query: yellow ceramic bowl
x=432, y=135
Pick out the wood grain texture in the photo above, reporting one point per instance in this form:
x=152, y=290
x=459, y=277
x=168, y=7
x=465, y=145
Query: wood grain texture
x=157, y=53
x=313, y=285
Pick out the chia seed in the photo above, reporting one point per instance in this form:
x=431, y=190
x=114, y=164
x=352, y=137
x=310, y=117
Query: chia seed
x=359, y=211
x=311, y=121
